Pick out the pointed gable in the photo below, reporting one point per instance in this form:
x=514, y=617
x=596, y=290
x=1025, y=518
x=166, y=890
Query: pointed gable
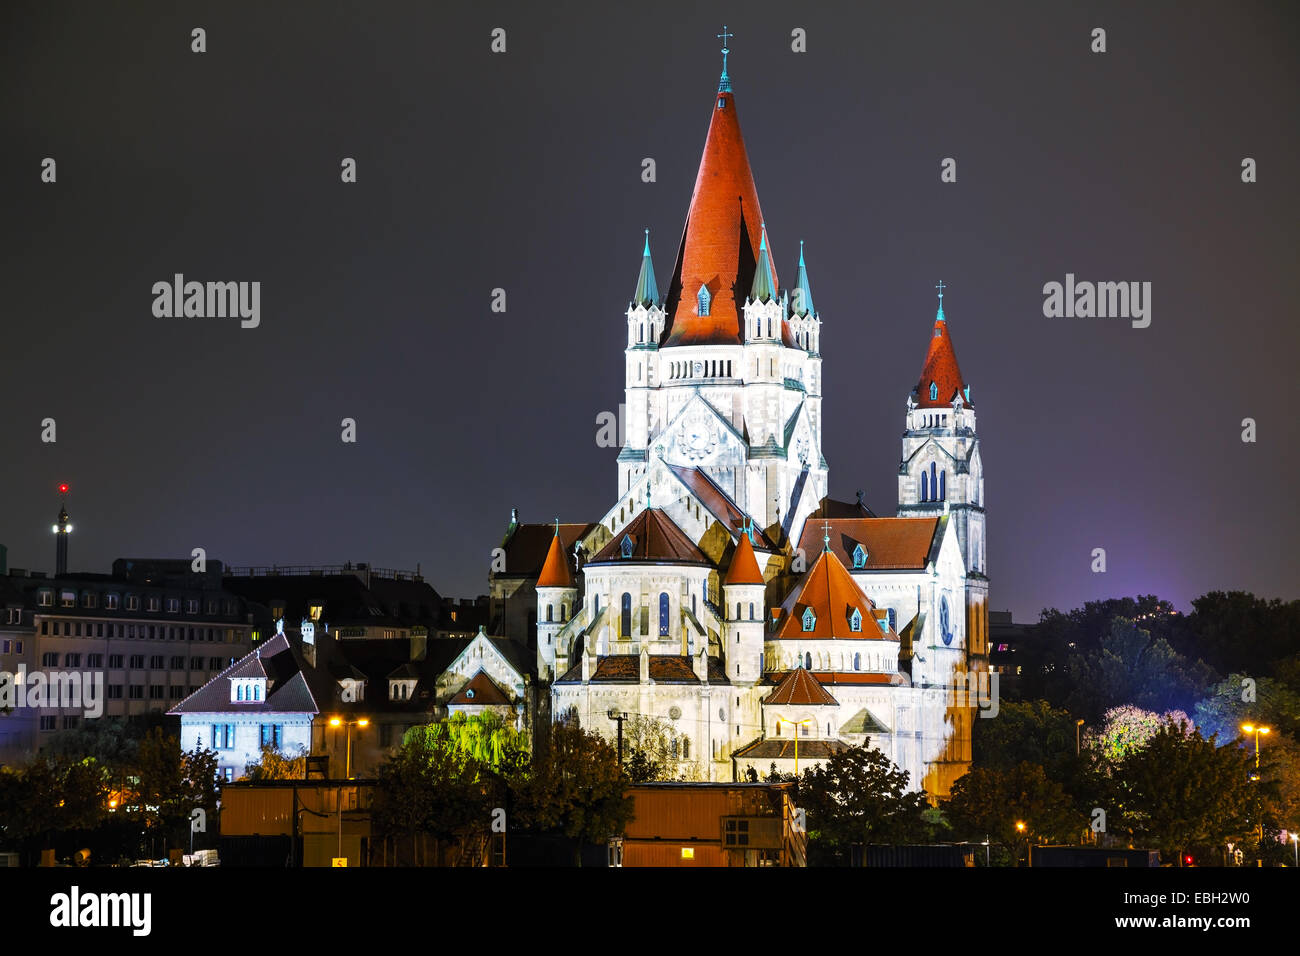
x=720, y=242
x=800, y=688
x=940, y=376
x=823, y=606
x=480, y=691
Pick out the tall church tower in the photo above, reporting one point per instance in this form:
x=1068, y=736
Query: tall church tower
x=725, y=374
x=942, y=473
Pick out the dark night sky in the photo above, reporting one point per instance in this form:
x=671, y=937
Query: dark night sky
x=523, y=171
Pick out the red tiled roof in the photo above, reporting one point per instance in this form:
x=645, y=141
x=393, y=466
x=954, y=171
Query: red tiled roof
x=941, y=369
x=783, y=748
x=843, y=677
x=529, y=544
x=720, y=241
x=481, y=690
x=654, y=538
x=833, y=595
x=800, y=688
x=891, y=543
x=555, y=572
x=664, y=668
x=718, y=503
x=744, y=567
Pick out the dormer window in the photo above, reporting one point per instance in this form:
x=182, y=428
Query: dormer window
x=627, y=545
x=403, y=689
x=967, y=390
x=859, y=556
x=855, y=620
x=248, y=690
x=934, y=392
x=314, y=611
x=702, y=300
x=809, y=619
x=47, y=598
x=68, y=598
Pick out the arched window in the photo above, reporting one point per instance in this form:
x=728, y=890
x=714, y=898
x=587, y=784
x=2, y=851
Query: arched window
x=663, y=613
x=934, y=392
x=239, y=692
x=686, y=748
x=564, y=612
x=934, y=482
x=702, y=300
x=673, y=748
x=943, y=485
x=257, y=692
x=625, y=626
x=751, y=610
x=925, y=487
x=857, y=662
x=807, y=660
x=737, y=610
x=549, y=613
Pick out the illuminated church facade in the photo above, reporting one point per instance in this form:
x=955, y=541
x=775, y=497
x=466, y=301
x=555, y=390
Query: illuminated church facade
x=723, y=594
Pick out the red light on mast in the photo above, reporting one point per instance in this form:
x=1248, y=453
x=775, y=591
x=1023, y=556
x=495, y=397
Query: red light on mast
x=63, y=489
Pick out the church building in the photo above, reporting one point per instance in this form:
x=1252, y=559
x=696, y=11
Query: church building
x=723, y=594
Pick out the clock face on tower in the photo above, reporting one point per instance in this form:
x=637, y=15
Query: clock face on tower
x=698, y=437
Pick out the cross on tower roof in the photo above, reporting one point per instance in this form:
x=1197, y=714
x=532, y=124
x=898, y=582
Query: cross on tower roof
x=724, y=84
x=826, y=535
x=940, y=287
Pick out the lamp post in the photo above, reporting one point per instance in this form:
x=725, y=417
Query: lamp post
x=1257, y=729
x=1078, y=727
x=340, y=722
x=1295, y=842
x=1029, y=854
x=797, y=725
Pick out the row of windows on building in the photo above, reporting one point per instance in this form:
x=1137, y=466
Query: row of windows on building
x=152, y=692
x=152, y=602
x=156, y=661
x=11, y=647
x=269, y=735
x=934, y=421
x=151, y=632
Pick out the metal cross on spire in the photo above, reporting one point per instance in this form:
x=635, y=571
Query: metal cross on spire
x=826, y=535
x=941, y=287
x=724, y=84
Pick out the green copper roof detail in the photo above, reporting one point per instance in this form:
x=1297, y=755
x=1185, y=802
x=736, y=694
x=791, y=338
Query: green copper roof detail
x=939, y=317
x=764, y=289
x=803, y=300
x=647, y=290
x=724, y=84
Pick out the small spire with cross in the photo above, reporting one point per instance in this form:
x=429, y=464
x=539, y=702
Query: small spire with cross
x=724, y=84
x=826, y=535
x=941, y=287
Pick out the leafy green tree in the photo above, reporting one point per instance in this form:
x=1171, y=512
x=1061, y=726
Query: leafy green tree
x=175, y=782
x=1182, y=790
x=276, y=764
x=575, y=787
x=1130, y=666
x=1128, y=728
x=989, y=802
x=1236, y=631
x=859, y=796
x=486, y=739
x=1222, y=711
x=653, y=750
x=431, y=786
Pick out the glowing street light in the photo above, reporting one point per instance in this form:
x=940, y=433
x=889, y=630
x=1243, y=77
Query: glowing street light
x=340, y=722
x=798, y=724
x=1257, y=730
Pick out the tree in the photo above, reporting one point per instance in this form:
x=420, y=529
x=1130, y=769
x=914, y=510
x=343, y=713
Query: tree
x=175, y=782
x=575, y=787
x=1130, y=666
x=484, y=738
x=858, y=796
x=1240, y=699
x=275, y=764
x=1183, y=790
x=989, y=802
x=1128, y=728
x=433, y=787
x=654, y=750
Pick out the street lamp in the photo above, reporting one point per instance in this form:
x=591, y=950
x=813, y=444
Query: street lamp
x=340, y=722
x=1257, y=730
x=1295, y=842
x=1029, y=854
x=797, y=725
x=1078, y=725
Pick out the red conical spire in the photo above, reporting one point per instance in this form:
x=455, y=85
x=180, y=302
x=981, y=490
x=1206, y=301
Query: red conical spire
x=721, y=239
x=555, y=572
x=940, y=369
x=744, y=566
